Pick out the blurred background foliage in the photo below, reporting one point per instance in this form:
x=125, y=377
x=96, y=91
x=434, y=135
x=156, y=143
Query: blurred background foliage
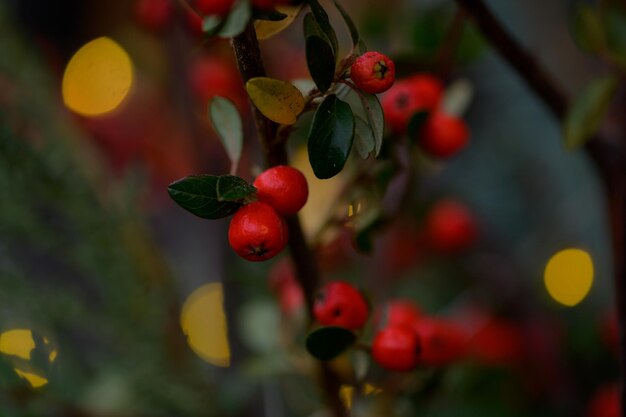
x=96, y=262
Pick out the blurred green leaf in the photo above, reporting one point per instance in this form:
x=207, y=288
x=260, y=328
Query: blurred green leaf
x=364, y=142
x=236, y=20
x=210, y=196
x=588, y=29
x=375, y=118
x=211, y=24
x=354, y=32
x=227, y=122
x=320, y=55
x=330, y=137
x=270, y=15
x=326, y=343
x=586, y=114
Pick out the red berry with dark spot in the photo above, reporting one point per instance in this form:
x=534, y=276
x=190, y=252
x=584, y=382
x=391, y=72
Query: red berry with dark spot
x=443, y=136
x=257, y=232
x=451, y=227
x=214, y=7
x=340, y=304
x=396, y=348
x=442, y=341
x=284, y=188
x=421, y=92
x=154, y=15
x=373, y=72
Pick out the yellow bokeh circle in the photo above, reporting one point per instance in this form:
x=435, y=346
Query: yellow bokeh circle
x=568, y=276
x=98, y=78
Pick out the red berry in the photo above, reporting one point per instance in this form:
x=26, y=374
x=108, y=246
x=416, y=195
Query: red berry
x=284, y=188
x=153, y=14
x=400, y=313
x=217, y=7
x=605, y=402
x=340, y=304
x=211, y=76
x=498, y=342
x=443, y=135
x=450, y=227
x=442, y=341
x=257, y=232
x=396, y=348
x=193, y=21
x=408, y=96
x=373, y=72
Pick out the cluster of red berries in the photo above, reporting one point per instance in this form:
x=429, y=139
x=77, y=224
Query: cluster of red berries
x=442, y=135
x=258, y=231
x=406, y=337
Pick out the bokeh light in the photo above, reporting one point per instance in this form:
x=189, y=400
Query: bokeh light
x=204, y=322
x=98, y=78
x=20, y=343
x=568, y=276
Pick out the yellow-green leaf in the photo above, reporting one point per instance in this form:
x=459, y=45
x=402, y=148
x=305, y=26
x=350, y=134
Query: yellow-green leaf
x=277, y=100
x=265, y=29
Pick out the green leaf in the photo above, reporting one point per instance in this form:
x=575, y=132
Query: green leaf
x=326, y=343
x=586, y=114
x=354, y=32
x=363, y=138
x=322, y=20
x=330, y=137
x=278, y=100
x=269, y=15
x=227, y=123
x=231, y=188
x=589, y=30
x=211, y=25
x=320, y=56
x=210, y=196
x=265, y=29
x=375, y=118
x=416, y=122
x=236, y=20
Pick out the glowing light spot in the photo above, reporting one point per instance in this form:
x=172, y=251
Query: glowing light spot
x=17, y=342
x=346, y=393
x=568, y=276
x=52, y=356
x=204, y=322
x=34, y=380
x=371, y=389
x=97, y=78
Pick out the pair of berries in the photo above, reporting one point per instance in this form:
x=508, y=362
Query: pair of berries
x=257, y=231
x=373, y=72
x=409, y=339
x=442, y=135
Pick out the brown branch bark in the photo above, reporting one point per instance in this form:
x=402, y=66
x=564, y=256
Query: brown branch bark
x=250, y=63
x=607, y=152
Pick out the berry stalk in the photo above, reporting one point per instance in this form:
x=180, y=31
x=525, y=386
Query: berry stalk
x=248, y=54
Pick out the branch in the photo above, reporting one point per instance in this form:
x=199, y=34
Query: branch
x=248, y=54
x=518, y=57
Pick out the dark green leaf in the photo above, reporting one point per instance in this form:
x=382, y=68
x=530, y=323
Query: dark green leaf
x=589, y=30
x=322, y=20
x=354, y=32
x=326, y=343
x=587, y=112
x=227, y=123
x=375, y=118
x=237, y=20
x=231, y=188
x=363, y=138
x=319, y=54
x=330, y=137
x=200, y=196
x=416, y=122
x=271, y=15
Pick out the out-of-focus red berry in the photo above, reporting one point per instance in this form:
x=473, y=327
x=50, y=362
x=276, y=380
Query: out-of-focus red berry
x=284, y=188
x=442, y=341
x=443, y=136
x=257, y=232
x=211, y=76
x=193, y=21
x=421, y=92
x=610, y=331
x=450, y=227
x=396, y=348
x=399, y=312
x=605, y=402
x=340, y=304
x=214, y=7
x=373, y=72
x=498, y=342
x=153, y=15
